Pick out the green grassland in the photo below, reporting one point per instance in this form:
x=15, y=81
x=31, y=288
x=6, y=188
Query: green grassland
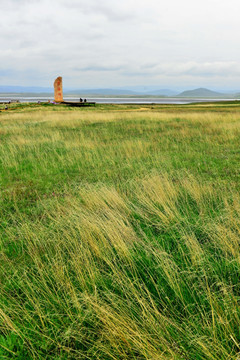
x=119, y=232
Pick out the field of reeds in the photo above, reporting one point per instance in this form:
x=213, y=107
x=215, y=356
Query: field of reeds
x=119, y=232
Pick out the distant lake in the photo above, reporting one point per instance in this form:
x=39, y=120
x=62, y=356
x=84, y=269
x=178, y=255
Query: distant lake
x=112, y=100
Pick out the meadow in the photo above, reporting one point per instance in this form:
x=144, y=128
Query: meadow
x=119, y=232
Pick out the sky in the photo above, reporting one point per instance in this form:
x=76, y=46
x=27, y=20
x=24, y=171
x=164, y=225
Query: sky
x=108, y=43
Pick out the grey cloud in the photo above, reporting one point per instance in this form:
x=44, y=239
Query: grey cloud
x=204, y=69
x=208, y=69
x=104, y=8
x=107, y=42
x=5, y=72
x=99, y=68
x=131, y=73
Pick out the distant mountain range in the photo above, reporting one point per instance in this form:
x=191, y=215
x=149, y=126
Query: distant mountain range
x=122, y=92
x=195, y=93
x=25, y=89
x=165, y=92
x=100, y=92
x=82, y=92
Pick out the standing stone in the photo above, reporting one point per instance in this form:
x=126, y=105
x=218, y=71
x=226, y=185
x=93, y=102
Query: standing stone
x=58, y=92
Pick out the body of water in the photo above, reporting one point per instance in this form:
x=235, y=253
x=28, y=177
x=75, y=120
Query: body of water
x=110, y=100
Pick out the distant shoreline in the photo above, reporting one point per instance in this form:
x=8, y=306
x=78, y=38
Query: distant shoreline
x=51, y=95
x=121, y=100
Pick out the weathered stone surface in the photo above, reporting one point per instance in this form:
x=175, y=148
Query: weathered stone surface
x=58, y=92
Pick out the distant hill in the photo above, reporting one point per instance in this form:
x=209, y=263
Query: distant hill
x=201, y=92
x=163, y=92
x=100, y=92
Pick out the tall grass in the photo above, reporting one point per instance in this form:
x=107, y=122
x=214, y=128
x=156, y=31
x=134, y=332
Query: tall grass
x=120, y=235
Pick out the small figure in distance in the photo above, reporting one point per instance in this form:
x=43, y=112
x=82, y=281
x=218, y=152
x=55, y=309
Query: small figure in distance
x=85, y=100
x=81, y=100
x=6, y=107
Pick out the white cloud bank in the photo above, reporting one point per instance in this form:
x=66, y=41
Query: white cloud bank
x=103, y=43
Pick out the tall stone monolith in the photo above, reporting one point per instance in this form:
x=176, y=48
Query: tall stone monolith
x=58, y=92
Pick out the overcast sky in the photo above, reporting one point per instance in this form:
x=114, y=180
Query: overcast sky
x=110, y=43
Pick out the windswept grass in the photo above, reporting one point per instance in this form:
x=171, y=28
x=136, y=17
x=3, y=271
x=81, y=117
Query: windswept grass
x=120, y=234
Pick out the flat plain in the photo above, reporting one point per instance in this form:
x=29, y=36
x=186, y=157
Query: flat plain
x=119, y=232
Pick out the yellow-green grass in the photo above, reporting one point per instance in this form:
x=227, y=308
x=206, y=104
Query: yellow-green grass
x=120, y=232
